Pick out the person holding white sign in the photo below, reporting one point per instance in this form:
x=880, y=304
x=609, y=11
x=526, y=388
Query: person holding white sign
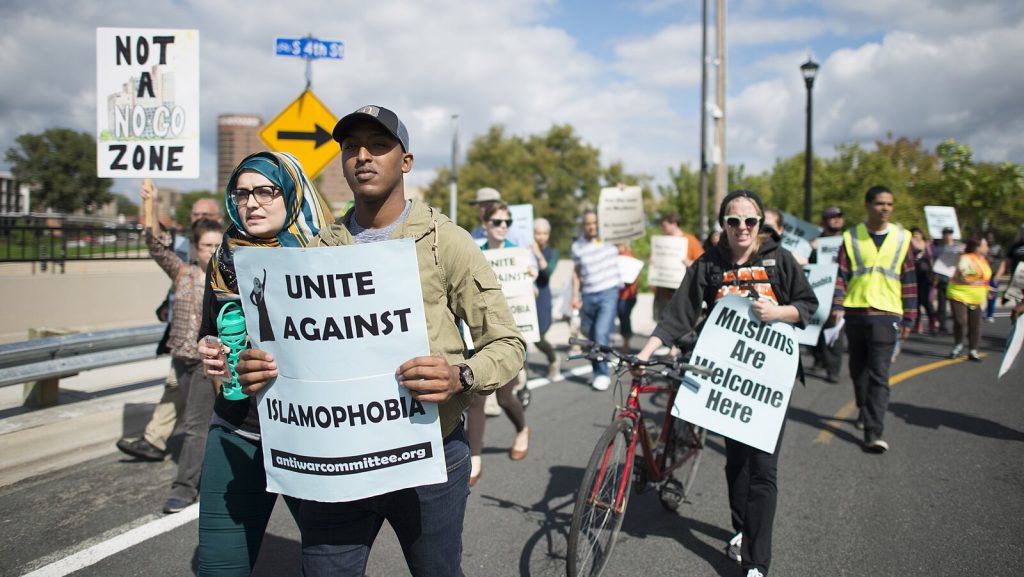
x=829, y=357
x=670, y=227
x=750, y=264
x=271, y=203
x=944, y=249
x=456, y=283
x=497, y=223
x=1014, y=258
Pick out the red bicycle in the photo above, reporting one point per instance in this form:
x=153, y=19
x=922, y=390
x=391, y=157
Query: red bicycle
x=675, y=447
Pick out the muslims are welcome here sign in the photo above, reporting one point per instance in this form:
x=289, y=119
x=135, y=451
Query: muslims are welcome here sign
x=752, y=365
x=339, y=321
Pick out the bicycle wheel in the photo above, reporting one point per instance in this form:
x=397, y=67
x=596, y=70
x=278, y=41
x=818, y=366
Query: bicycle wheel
x=595, y=519
x=689, y=440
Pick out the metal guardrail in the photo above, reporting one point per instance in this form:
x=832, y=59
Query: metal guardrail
x=65, y=355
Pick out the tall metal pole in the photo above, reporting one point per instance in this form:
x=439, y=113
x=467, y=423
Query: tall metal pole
x=453, y=183
x=722, y=168
x=809, y=69
x=703, y=204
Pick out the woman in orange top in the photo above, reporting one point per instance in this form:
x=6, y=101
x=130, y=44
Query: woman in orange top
x=967, y=292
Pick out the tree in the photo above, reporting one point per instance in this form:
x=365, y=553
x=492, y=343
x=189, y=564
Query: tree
x=61, y=166
x=556, y=172
x=682, y=197
x=125, y=206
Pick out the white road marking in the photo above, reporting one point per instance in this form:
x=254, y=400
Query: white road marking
x=100, y=551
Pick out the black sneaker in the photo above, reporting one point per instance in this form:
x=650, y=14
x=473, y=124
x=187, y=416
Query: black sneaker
x=141, y=449
x=175, y=505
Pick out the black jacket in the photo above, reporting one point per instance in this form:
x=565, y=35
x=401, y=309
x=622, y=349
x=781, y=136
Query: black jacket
x=700, y=287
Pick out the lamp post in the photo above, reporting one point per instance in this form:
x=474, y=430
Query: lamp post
x=809, y=69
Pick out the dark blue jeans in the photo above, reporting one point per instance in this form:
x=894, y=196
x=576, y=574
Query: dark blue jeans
x=336, y=537
x=598, y=319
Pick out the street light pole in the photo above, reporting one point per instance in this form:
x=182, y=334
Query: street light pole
x=809, y=69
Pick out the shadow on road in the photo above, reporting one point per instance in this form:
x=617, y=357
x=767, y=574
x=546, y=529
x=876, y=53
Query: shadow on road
x=932, y=418
x=646, y=517
x=552, y=515
x=825, y=423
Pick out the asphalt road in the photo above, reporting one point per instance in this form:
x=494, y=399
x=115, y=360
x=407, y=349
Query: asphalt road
x=947, y=499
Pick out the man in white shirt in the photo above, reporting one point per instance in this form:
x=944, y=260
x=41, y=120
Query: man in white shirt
x=595, y=284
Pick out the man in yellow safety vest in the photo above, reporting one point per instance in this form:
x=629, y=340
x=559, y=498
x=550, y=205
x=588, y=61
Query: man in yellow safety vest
x=876, y=291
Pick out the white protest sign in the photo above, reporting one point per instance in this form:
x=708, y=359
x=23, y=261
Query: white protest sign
x=945, y=265
x=828, y=248
x=522, y=223
x=339, y=321
x=1015, y=290
x=667, y=254
x=511, y=266
x=752, y=366
x=1014, y=341
x=940, y=217
x=620, y=214
x=798, y=234
x=822, y=278
x=147, y=103
x=629, y=268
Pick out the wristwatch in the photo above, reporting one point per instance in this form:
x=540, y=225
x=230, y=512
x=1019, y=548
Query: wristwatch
x=466, y=377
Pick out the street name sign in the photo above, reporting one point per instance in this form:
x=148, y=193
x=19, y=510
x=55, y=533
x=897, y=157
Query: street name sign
x=309, y=48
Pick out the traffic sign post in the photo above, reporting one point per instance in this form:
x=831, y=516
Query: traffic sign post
x=303, y=129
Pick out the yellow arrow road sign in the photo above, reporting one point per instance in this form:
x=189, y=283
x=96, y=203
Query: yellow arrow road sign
x=304, y=129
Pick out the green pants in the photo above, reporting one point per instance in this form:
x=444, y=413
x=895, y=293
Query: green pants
x=234, y=505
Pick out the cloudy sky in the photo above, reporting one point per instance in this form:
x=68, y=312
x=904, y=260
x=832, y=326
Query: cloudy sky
x=624, y=73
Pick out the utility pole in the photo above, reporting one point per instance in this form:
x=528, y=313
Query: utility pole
x=453, y=183
x=703, y=204
x=721, y=166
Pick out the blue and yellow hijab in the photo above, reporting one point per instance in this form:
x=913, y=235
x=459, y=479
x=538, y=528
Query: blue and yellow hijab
x=308, y=212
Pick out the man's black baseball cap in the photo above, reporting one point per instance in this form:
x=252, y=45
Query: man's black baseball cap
x=382, y=116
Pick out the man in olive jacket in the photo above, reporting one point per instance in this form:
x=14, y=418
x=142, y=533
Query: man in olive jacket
x=457, y=283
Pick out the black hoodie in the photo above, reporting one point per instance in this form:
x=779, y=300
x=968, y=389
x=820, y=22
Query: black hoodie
x=714, y=272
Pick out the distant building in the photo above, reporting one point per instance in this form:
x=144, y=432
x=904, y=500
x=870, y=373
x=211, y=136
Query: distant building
x=238, y=136
x=15, y=196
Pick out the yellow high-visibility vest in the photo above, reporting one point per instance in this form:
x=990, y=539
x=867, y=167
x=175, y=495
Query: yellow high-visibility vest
x=875, y=271
x=971, y=285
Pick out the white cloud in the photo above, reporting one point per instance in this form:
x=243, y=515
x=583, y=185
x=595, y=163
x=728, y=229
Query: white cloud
x=920, y=68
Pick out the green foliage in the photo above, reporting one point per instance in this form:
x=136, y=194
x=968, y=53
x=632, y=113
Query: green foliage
x=125, y=206
x=61, y=164
x=555, y=172
x=183, y=210
x=560, y=175
x=682, y=196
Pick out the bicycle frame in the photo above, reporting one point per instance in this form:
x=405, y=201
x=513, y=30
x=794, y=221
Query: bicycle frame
x=653, y=461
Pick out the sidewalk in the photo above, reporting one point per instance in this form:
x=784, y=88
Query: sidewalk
x=96, y=408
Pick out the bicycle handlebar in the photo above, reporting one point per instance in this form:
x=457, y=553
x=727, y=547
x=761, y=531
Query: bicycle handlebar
x=674, y=367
